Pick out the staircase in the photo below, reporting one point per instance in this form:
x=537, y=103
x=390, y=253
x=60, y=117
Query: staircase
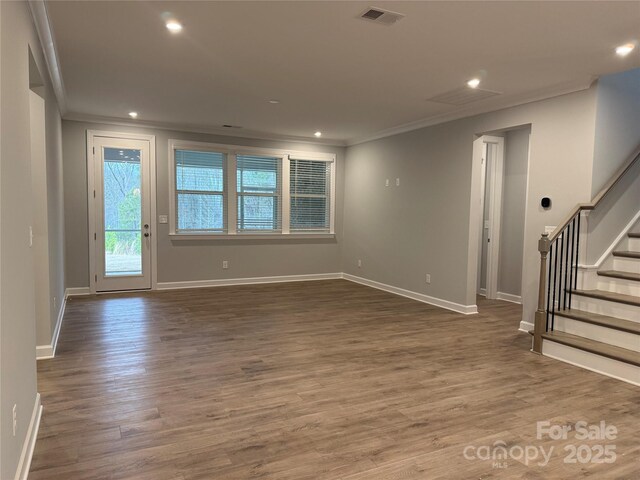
x=589, y=316
x=601, y=330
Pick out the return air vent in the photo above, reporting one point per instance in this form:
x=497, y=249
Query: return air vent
x=463, y=96
x=231, y=126
x=381, y=16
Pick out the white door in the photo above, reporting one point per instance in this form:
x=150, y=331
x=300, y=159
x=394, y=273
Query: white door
x=122, y=214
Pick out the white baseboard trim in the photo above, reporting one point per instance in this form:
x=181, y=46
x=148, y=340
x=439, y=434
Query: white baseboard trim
x=525, y=326
x=508, y=297
x=77, y=292
x=24, y=464
x=438, y=302
x=45, y=352
x=615, y=243
x=246, y=281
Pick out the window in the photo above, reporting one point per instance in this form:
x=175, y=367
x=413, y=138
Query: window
x=200, y=191
x=221, y=191
x=259, y=193
x=310, y=182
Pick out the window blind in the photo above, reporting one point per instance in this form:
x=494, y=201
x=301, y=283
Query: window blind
x=259, y=180
x=310, y=188
x=201, y=203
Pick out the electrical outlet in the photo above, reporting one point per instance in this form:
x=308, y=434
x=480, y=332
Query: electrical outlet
x=225, y=264
x=397, y=182
x=386, y=182
x=428, y=278
x=163, y=219
x=359, y=263
x=15, y=419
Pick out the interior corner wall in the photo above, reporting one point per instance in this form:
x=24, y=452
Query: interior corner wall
x=617, y=131
x=422, y=226
x=17, y=292
x=516, y=164
x=196, y=260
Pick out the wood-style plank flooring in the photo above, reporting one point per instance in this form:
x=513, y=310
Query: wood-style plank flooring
x=312, y=380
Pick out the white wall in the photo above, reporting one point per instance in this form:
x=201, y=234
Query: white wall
x=17, y=291
x=180, y=260
x=617, y=124
x=514, y=196
x=401, y=233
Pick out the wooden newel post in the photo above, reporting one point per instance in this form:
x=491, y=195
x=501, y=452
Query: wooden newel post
x=541, y=313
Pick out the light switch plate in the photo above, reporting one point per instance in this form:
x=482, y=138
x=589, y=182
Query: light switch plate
x=163, y=219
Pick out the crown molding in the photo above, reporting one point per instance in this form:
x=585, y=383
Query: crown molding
x=188, y=128
x=583, y=83
x=45, y=35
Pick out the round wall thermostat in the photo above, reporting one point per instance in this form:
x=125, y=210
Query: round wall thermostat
x=545, y=202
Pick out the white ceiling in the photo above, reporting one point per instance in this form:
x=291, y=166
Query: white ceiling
x=332, y=71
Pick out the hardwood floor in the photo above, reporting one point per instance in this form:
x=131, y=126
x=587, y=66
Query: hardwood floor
x=311, y=380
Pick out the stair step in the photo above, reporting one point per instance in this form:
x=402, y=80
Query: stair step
x=626, y=254
x=610, y=296
x=591, y=346
x=619, y=274
x=634, y=235
x=602, y=320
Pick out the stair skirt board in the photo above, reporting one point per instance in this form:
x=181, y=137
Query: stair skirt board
x=619, y=285
x=605, y=307
x=591, y=361
x=610, y=336
x=625, y=264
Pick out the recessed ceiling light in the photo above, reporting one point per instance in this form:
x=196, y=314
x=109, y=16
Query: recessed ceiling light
x=273, y=101
x=174, y=27
x=473, y=83
x=318, y=134
x=624, y=50
x=133, y=114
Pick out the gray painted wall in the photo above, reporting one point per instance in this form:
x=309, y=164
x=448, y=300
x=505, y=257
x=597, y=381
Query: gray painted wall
x=516, y=163
x=180, y=260
x=402, y=233
x=617, y=124
x=17, y=292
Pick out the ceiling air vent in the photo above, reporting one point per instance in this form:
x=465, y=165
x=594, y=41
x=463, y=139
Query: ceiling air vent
x=463, y=96
x=381, y=16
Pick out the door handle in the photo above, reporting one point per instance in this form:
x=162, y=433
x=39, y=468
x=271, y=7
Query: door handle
x=146, y=234
x=146, y=226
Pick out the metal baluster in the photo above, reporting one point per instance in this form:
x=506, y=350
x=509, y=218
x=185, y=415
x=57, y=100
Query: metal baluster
x=549, y=285
x=574, y=266
x=575, y=282
x=555, y=283
x=566, y=266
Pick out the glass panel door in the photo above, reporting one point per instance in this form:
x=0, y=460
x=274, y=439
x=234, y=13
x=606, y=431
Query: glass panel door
x=122, y=214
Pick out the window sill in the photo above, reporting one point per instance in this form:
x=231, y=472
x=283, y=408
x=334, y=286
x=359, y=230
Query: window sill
x=251, y=236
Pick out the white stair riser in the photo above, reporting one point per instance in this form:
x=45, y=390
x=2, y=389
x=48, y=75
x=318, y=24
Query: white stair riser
x=634, y=244
x=619, y=285
x=630, y=341
x=606, y=307
x=591, y=361
x=625, y=264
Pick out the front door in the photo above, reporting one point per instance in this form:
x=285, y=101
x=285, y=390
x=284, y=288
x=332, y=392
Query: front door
x=122, y=215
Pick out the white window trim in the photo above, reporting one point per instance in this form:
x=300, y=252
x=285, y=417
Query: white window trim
x=231, y=152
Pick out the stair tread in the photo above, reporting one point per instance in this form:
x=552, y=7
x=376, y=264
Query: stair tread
x=634, y=235
x=611, y=296
x=620, y=274
x=626, y=254
x=602, y=320
x=592, y=346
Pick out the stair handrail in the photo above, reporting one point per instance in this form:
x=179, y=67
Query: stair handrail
x=566, y=240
